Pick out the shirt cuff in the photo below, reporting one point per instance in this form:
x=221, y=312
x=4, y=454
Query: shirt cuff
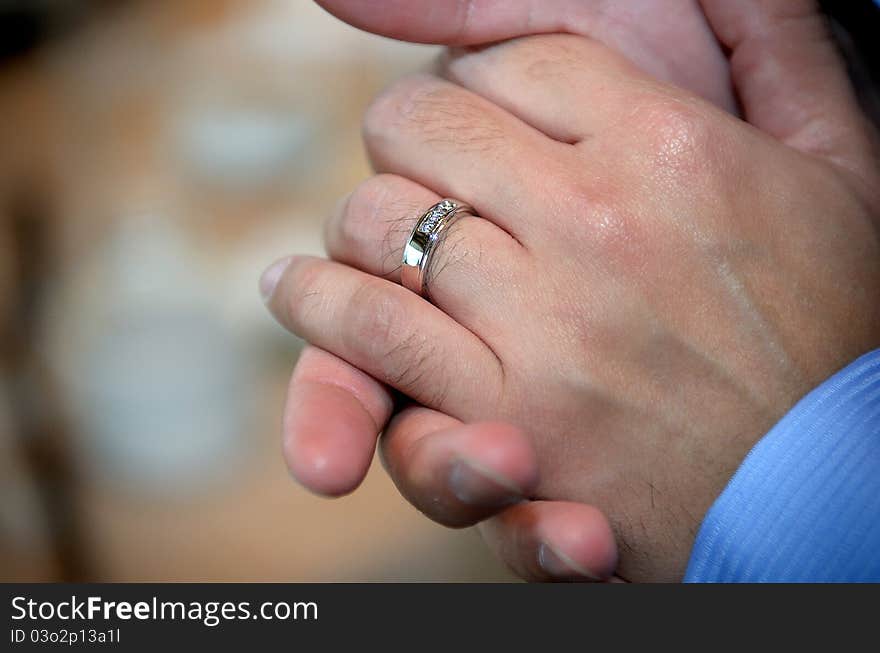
x=804, y=506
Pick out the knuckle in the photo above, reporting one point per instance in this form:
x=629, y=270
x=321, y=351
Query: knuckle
x=375, y=319
x=380, y=330
x=680, y=138
x=602, y=216
x=377, y=322
x=376, y=217
x=615, y=234
x=433, y=111
x=361, y=214
x=306, y=294
x=561, y=58
x=552, y=55
x=397, y=103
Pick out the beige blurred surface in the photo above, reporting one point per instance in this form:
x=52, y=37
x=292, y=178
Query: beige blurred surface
x=153, y=162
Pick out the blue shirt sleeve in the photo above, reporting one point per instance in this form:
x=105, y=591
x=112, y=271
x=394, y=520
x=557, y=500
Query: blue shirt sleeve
x=804, y=506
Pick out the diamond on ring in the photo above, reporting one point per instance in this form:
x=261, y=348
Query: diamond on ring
x=435, y=216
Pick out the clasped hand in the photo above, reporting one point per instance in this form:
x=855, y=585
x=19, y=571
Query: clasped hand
x=651, y=283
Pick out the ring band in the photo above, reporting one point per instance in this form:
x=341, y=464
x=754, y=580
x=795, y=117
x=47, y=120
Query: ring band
x=424, y=239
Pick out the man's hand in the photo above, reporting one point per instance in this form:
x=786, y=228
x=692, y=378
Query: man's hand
x=661, y=231
x=335, y=411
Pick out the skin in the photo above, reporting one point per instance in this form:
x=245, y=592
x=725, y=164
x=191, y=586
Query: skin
x=665, y=251
x=334, y=411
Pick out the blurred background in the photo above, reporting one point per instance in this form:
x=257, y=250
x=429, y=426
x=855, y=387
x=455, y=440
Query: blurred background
x=155, y=155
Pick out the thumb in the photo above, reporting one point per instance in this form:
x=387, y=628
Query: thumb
x=457, y=22
x=790, y=78
x=669, y=41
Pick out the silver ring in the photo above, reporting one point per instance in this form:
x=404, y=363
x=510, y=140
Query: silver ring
x=424, y=239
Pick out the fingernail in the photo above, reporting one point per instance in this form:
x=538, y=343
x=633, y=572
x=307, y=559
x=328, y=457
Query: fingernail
x=270, y=278
x=475, y=485
x=558, y=565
